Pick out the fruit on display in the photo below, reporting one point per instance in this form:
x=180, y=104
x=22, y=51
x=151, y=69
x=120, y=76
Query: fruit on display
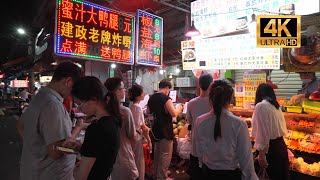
x=177, y=126
x=296, y=135
x=298, y=164
x=302, y=123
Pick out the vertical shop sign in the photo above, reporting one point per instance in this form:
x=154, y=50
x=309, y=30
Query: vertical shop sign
x=188, y=55
x=89, y=31
x=149, y=39
x=251, y=82
x=239, y=93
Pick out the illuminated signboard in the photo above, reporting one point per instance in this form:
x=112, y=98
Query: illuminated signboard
x=90, y=31
x=19, y=83
x=149, y=39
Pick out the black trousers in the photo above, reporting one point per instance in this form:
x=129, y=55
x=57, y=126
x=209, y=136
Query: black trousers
x=277, y=157
x=209, y=174
x=194, y=170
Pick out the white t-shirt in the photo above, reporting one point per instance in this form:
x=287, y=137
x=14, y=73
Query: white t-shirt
x=125, y=165
x=196, y=107
x=229, y=151
x=45, y=121
x=138, y=118
x=267, y=123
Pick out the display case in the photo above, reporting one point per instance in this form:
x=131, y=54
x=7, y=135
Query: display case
x=303, y=140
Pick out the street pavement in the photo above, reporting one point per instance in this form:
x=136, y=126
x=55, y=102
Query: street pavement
x=10, y=148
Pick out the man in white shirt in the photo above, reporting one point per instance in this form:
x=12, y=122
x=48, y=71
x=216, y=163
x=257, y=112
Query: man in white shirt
x=197, y=107
x=46, y=124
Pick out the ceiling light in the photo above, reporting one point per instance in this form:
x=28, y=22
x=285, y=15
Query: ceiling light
x=54, y=63
x=193, y=31
x=178, y=70
x=113, y=65
x=21, y=31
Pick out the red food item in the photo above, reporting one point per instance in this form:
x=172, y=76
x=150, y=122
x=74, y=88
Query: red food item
x=315, y=96
x=294, y=144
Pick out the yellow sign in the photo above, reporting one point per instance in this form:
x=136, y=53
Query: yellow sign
x=278, y=31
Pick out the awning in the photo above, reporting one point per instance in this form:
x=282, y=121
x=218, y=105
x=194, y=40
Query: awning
x=15, y=62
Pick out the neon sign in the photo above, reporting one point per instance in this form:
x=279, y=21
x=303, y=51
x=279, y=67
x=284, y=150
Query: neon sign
x=89, y=31
x=149, y=39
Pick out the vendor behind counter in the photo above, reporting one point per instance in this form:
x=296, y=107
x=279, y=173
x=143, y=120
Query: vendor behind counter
x=310, y=83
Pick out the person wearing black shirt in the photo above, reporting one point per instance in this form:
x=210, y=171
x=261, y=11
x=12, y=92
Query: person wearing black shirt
x=101, y=143
x=161, y=106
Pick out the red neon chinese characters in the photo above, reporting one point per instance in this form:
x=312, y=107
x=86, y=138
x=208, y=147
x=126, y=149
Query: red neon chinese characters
x=113, y=23
x=103, y=18
x=157, y=43
x=105, y=37
x=125, y=55
x=81, y=48
x=126, y=41
x=81, y=32
x=146, y=43
x=116, y=53
x=92, y=14
x=94, y=35
x=157, y=29
x=146, y=21
x=67, y=8
x=66, y=46
x=116, y=39
x=146, y=55
x=105, y=52
x=156, y=58
x=79, y=10
x=127, y=27
x=66, y=29
x=146, y=32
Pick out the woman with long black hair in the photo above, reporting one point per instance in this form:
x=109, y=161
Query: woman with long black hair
x=222, y=139
x=268, y=129
x=102, y=139
x=136, y=95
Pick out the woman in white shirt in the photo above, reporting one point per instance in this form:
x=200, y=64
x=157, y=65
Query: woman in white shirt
x=268, y=129
x=222, y=140
x=136, y=95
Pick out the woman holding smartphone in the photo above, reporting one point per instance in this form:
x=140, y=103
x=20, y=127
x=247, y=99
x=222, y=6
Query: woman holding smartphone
x=136, y=95
x=101, y=143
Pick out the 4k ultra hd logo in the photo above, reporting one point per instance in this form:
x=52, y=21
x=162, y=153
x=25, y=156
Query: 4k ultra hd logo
x=278, y=31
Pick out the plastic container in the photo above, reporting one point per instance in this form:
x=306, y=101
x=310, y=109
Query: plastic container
x=294, y=109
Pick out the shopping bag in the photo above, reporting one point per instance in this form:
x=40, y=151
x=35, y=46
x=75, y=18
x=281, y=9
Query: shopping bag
x=263, y=175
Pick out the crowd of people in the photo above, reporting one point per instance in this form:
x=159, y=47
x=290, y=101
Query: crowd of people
x=114, y=138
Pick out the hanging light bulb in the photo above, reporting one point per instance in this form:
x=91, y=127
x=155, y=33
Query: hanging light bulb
x=113, y=65
x=177, y=70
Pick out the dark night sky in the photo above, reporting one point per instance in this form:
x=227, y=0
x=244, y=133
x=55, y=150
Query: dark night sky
x=14, y=14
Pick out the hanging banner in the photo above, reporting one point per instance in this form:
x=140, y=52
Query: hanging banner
x=218, y=17
x=251, y=82
x=89, y=31
x=188, y=55
x=235, y=52
x=19, y=83
x=149, y=39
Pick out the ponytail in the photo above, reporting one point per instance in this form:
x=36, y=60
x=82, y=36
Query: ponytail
x=220, y=96
x=113, y=106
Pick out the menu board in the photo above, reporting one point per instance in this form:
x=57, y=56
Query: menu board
x=188, y=55
x=217, y=17
x=235, y=52
x=89, y=31
x=149, y=39
x=19, y=83
x=251, y=82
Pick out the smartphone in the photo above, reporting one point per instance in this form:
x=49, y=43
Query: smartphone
x=64, y=149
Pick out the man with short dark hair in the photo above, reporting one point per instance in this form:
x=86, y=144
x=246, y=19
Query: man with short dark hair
x=161, y=106
x=47, y=124
x=310, y=83
x=195, y=108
